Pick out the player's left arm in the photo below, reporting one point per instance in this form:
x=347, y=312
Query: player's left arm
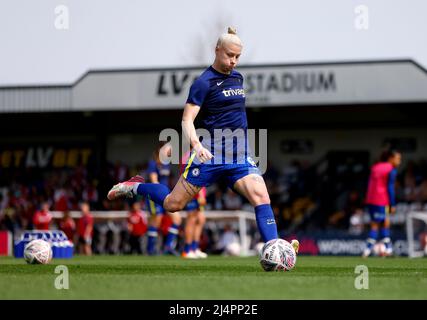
x=391, y=190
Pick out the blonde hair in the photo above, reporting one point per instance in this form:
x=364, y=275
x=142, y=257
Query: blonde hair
x=229, y=37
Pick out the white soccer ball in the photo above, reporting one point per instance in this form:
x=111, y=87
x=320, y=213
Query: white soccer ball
x=278, y=255
x=38, y=252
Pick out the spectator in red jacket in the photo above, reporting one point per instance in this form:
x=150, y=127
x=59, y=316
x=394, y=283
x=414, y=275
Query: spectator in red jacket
x=42, y=218
x=137, y=226
x=68, y=225
x=85, y=230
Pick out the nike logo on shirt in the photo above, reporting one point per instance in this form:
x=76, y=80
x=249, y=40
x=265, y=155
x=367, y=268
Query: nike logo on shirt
x=219, y=83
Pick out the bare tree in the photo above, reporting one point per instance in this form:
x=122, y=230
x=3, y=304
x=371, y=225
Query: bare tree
x=200, y=50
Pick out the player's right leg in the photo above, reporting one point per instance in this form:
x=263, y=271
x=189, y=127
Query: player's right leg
x=377, y=216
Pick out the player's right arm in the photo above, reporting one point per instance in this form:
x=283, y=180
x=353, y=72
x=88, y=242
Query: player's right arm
x=188, y=117
x=196, y=97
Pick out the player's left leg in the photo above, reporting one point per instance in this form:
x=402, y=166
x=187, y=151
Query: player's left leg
x=253, y=188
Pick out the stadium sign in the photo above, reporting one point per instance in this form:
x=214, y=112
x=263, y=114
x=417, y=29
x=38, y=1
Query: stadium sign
x=44, y=157
x=339, y=243
x=261, y=86
x=264, y=85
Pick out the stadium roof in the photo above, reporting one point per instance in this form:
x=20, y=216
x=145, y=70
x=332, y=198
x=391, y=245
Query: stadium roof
x=326, y=83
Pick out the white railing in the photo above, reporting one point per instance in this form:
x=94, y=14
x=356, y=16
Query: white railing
x=411, y=216
x=241, y=216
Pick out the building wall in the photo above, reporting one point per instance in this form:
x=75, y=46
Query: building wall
x=345, y=140
x=137, y=148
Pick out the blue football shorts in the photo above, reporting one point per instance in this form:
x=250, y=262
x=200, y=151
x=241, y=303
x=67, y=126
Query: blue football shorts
x=192, y=205
x=205, y=174
x=377, y=213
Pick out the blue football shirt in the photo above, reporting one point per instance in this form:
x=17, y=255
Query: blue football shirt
x=221, y=99
x=163, y=171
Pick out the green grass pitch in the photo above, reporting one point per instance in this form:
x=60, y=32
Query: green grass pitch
x=170, y=278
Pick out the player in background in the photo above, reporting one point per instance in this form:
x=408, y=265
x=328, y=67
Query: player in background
x=85, y=230
x=220, y=94
x=195, y=221
x=137, y=227
x=380, y=200
x=158, y=173
x=42, y=218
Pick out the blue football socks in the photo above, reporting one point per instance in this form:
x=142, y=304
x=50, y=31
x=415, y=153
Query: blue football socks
x=195, y=245
x=152, y=240
x=372, y=239
x=155, y=191
x=171, y=236
x=266, y=223
x=385, y=236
